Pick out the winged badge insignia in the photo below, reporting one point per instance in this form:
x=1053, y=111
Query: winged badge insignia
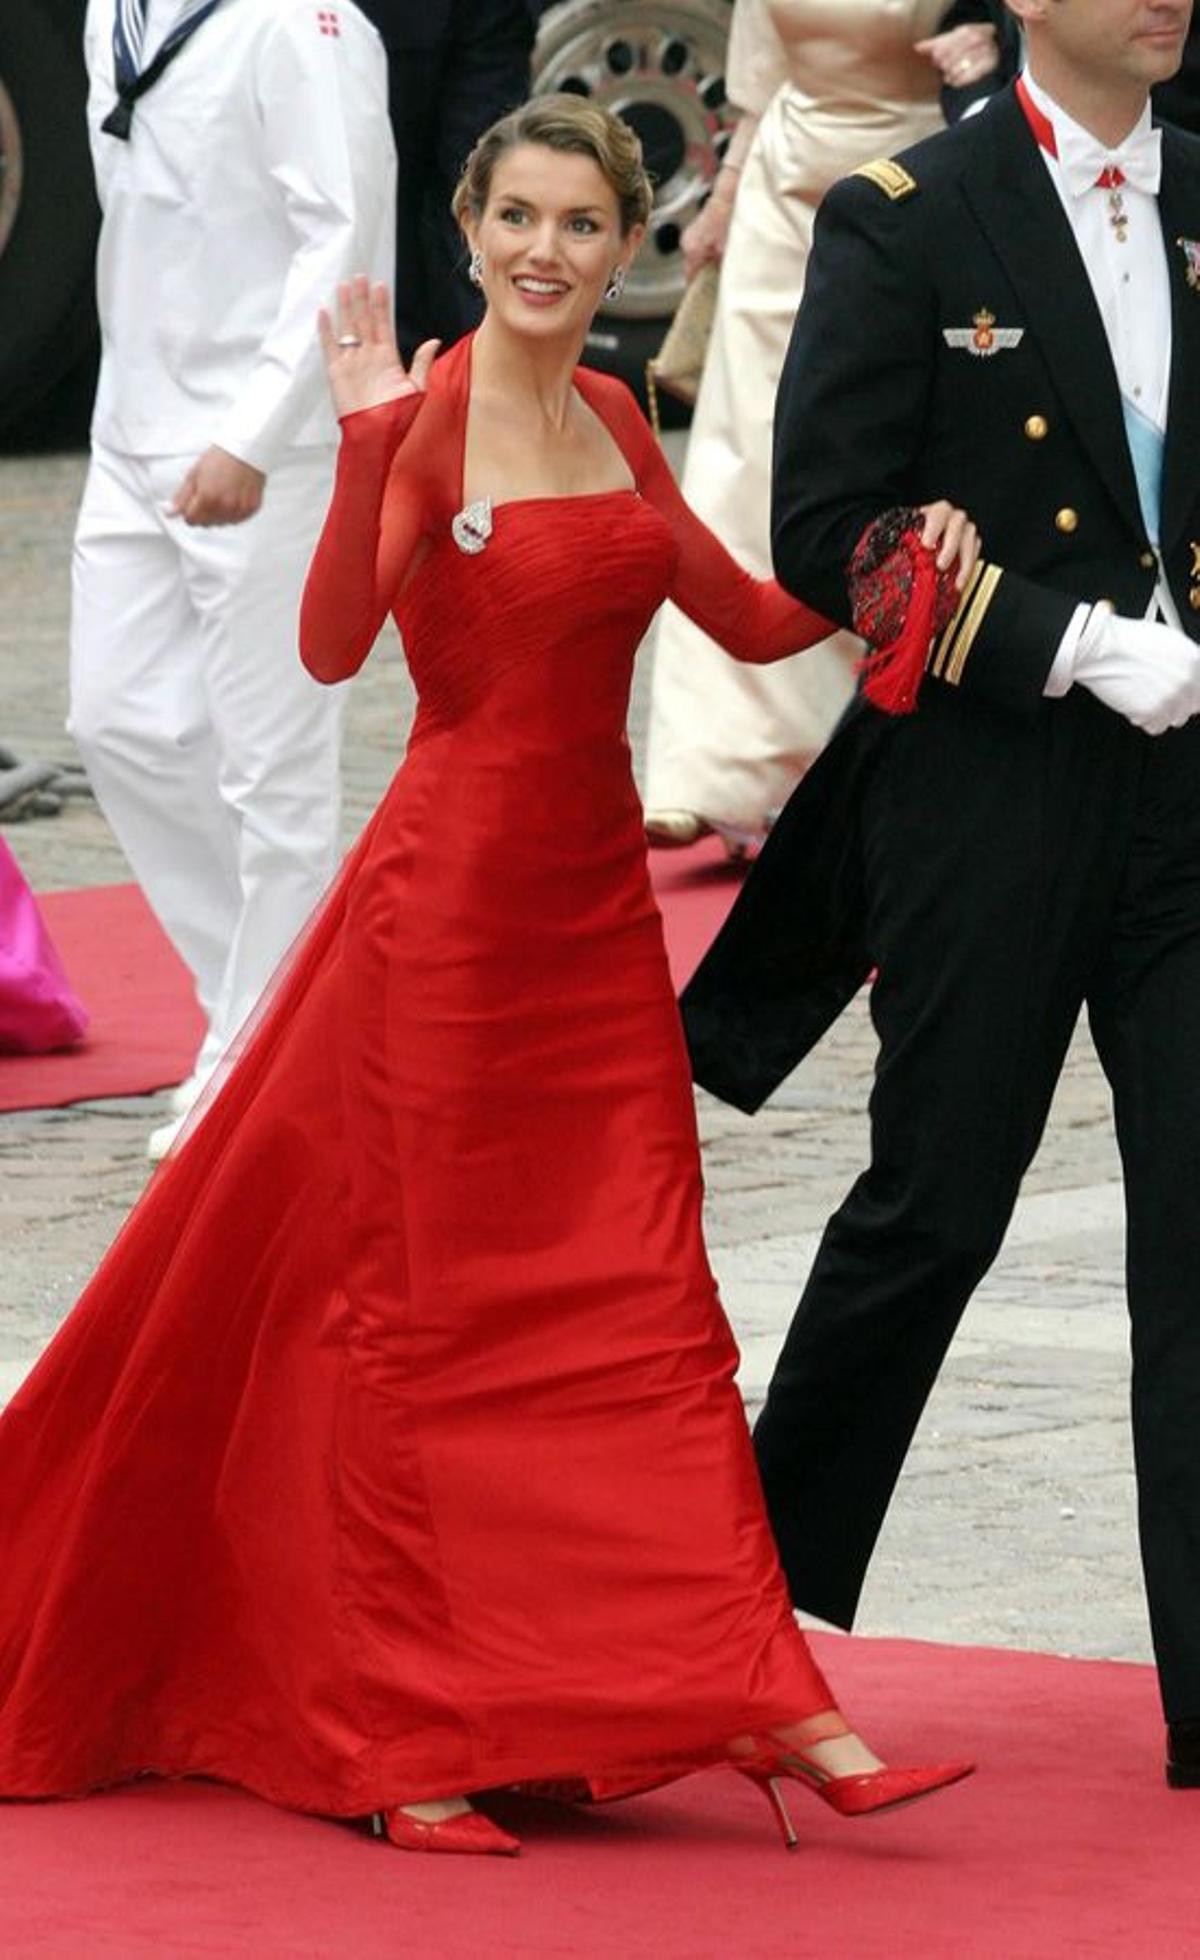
x=983, y=337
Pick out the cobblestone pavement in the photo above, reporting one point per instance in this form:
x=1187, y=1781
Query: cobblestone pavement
x=1014, y=1523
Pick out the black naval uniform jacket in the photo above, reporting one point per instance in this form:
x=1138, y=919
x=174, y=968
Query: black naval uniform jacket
x=948, y=345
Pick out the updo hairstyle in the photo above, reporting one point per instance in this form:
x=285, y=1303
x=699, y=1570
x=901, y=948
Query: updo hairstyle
x=575, y=127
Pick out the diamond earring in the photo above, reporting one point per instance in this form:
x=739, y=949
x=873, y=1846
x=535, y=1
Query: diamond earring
x=475, y=267
x=616, y=285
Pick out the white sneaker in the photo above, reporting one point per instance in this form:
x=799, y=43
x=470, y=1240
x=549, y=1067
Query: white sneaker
x=159, y=1141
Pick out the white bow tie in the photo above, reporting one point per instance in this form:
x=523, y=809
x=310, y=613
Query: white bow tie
x=1138, y=159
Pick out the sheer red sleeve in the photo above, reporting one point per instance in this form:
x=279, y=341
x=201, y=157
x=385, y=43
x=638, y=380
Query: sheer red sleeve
x=754, y=619
x=371, y=533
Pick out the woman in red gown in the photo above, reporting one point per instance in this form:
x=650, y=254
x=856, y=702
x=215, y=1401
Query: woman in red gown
x=394, y=1451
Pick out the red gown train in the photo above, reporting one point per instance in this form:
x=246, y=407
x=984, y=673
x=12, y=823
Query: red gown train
x=394, y=1449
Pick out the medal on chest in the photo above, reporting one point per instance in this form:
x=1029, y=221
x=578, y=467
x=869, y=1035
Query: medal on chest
x=1111, y=181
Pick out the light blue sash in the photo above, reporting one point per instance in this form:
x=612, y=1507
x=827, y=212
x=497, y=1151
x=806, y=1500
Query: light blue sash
x=1146, y=448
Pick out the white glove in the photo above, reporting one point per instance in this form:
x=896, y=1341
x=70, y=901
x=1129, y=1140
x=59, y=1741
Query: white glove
x=1146, y=672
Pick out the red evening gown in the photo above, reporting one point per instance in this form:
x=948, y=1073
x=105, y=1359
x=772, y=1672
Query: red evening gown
x=394, y=1449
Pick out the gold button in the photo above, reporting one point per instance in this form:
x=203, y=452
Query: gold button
x=1037, y=428
x=1066, y=519
x=1194, y=598
x=1147, y=561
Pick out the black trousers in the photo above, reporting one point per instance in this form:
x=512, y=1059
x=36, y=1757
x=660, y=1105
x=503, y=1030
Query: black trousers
x=1015, y=872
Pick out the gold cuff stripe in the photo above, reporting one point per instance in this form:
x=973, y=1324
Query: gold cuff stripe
x=985, y=592
x=889, y=177
x=937, y=654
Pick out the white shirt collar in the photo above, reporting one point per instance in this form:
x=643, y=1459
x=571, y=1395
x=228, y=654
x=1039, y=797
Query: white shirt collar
x=1066, y=126
x=1080, y=152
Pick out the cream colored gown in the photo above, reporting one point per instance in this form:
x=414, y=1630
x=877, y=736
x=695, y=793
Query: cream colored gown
x=836, y=83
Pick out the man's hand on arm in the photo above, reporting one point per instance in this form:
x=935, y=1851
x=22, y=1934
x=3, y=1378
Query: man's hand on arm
x=218, y=489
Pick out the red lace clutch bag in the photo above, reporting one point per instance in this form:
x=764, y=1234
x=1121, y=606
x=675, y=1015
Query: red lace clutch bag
x=901, y=603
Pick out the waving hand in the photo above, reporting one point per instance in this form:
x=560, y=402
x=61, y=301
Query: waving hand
x=362, y=361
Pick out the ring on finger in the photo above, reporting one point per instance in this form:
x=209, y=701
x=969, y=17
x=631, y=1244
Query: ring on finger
x=348, y=340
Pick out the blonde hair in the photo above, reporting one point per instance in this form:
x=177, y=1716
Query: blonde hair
x=574, y=126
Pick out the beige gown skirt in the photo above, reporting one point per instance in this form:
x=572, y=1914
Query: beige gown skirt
x=729, y=741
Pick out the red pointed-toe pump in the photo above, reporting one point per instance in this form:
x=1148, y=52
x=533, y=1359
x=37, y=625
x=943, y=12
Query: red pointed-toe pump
x=772, y=1764
x=468, y=1832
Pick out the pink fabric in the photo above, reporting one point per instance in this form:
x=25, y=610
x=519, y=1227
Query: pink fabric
x=38, y=1011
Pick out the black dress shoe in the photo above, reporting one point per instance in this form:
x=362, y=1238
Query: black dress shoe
x=1183, y=1755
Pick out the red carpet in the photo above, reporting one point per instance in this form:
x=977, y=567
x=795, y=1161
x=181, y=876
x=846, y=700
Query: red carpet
x=1066, y=1842
x=695, y=889
x=145, y=1025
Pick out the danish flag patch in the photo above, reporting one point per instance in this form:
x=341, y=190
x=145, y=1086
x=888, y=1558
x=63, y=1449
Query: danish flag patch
x=327, y=21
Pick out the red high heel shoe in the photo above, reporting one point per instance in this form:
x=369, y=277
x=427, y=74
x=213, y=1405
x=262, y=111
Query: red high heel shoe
x=857, y=1795
x=470, y=1831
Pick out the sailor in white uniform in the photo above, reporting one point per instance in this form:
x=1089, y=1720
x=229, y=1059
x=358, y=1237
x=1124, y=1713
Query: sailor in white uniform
x=244, y=163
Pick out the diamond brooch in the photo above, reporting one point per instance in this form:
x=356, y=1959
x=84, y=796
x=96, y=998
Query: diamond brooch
x=471, y=527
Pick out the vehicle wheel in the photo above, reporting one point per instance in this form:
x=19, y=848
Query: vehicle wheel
x=661, y=65
x=48, y=216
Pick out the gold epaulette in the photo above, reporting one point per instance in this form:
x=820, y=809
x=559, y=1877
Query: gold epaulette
x=889, y=177
x=948, y=655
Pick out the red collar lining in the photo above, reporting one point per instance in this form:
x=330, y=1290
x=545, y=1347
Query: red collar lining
x=1110, y=178
x=1041, y=125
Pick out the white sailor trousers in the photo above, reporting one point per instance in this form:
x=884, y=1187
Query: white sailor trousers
x=214, y=756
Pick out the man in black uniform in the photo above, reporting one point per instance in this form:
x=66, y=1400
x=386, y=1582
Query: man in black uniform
x=999, y=318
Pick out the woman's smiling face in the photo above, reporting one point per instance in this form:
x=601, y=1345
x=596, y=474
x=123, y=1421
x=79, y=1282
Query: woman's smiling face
x=550, y=238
